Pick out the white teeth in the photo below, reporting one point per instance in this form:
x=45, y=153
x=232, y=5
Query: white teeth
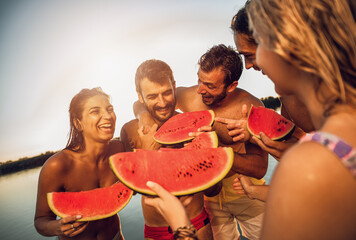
x=106, y=126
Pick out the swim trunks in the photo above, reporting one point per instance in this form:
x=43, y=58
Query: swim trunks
x=166, y=233
x=344, y=151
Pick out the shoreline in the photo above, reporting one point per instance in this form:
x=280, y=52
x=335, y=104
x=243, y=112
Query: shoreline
x=13, y=166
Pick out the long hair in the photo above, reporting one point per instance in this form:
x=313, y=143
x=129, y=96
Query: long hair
x=76, y=139
x=318, y=37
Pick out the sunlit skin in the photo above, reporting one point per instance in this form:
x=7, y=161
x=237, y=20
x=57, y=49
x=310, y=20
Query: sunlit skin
x=98, y=120
x=247, y=49
x=87, y=169
x=211, y=86
x=159, y=99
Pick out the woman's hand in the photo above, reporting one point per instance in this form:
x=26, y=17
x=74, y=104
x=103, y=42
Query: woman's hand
x=70, y=227
x=168, y=206
x=275, y=148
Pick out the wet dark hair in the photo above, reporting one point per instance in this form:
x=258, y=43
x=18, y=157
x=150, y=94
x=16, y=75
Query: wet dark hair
x=155, y=70
x=76, y=139
x=240, y=24
x=226, y=58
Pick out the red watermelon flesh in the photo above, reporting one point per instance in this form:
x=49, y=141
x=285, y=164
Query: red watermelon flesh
x=177, y=128
x=203, y=140
x=274, y=125
x=180, y=171
x=92, y=205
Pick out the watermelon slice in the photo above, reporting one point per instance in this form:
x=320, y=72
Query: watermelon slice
x=274, y=125
x=180, y=171
x=177, y=128
x=203, y=140
x=92, y=205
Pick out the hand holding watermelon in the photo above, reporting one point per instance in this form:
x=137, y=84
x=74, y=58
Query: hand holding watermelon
x=70, y=227
x=169, y=206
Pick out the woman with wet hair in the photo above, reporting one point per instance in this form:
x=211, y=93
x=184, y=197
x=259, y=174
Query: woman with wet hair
x=83, y=165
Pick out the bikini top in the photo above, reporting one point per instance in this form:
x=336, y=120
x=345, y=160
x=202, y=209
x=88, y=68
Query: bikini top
x=344, y=151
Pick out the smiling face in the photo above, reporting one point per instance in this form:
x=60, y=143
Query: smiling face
x=284, y=75
x=159, y=98
x=98, y=119
x=211, y=86
x=247, y=48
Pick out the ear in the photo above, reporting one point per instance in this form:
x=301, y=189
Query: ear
x=77, y=124
x=140, y=98
x=232, y=86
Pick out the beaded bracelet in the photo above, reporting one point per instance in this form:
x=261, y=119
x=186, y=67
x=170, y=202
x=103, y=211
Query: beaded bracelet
x=186, y=232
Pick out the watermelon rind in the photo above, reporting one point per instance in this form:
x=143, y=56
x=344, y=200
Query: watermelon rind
x=204, y=136
x=280, y=137
x=94, y=193
x=115, y=164
x=183, y=137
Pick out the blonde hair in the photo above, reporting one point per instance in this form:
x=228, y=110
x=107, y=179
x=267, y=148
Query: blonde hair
x=316, y=36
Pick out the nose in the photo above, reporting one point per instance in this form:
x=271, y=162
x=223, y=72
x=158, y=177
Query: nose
x=248, y=64
x=201, y=89
x=161, y=101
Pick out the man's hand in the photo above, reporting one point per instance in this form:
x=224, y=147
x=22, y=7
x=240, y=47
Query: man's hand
x=145, y=120
x=147, y=141
x=237, y=128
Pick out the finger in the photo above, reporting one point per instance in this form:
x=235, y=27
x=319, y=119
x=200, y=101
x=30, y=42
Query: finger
x=154, y=127
x=158, y=189
x=224, y=120
x=152, y=201
x=238, y=138
x=140, y=131
x=267, y=141
x=244, y=111
x=235, y=125
x=272, y=151
x=187, y=200
x=70, y=219
x=205, y=129
x=236, y=132
x=194, y=134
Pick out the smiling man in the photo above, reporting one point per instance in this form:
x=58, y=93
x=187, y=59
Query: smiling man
x=220, y=69
x=155, y=88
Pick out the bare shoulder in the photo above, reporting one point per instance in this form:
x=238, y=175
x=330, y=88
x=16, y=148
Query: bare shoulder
x=244, y=97
x=309, y=185
x=116, y=146
x=189, y=100
x=58, y=164
x=130, y=127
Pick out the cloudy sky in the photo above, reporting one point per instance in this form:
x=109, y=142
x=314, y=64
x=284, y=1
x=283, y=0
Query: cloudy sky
x=51, y=49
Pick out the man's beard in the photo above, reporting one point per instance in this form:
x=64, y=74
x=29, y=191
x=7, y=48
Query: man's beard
x=216, y=99
x=153, y=110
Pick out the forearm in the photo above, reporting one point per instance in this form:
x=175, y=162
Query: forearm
x=257, y=192
x=252, y=165
x=47, y=226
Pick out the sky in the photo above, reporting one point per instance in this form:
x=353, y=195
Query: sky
x=51, y=49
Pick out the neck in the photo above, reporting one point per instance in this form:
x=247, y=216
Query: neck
x=96, y=151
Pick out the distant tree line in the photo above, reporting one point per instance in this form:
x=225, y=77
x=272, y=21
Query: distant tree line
x=24, y=163
x=271, y=102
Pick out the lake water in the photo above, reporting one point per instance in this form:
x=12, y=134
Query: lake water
x=17, y=207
